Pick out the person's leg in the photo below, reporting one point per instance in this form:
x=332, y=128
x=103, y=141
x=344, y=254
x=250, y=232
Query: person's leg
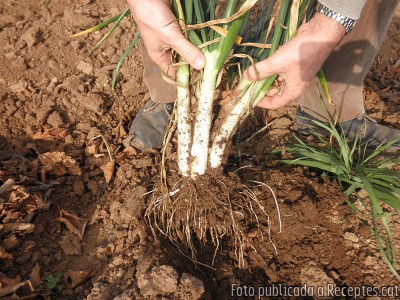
x=160, y=90
x=150, y=124
x=347, y=66
x=345, y=70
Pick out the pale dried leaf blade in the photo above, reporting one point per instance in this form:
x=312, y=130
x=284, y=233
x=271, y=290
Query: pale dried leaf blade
x=247, y=5
x=108, y=170
x=256, y=45
x=59, y=163
x=223, y=32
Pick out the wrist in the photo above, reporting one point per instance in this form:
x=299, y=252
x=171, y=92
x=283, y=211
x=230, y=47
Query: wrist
x=323, y=29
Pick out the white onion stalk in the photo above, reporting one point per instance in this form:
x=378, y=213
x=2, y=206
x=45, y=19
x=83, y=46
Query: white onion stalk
x=196, y=141
x=251, y=94
x=251, y=98
x=201, y=134
x=230, y=124
x=183, y=119
x=227, y=130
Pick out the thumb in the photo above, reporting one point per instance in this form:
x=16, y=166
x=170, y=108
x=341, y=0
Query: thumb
x=189, y=52
x=277, y=100
x=261, y=70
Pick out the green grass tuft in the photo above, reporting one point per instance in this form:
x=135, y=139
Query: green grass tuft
x=356, y=168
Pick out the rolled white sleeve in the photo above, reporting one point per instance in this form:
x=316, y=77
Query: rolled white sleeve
x=348, y=8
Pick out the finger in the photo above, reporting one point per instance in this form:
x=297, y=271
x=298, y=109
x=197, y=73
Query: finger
x=163, y=60
x=276, y=101
x=189, y=52
x=281, y=78
x=262, y=69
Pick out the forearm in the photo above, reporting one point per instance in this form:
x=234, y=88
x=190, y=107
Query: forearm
x=322, y=32
x=151, y=11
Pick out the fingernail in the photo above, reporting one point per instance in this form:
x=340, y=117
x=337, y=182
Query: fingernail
x=199, y=63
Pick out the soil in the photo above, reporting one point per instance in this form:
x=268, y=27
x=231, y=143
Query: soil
x=73, y=221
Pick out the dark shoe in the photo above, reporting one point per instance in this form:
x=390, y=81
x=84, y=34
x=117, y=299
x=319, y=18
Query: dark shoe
x=149, y=126
x=371, y=133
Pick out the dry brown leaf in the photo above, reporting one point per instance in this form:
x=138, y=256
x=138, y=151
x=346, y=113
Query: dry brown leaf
x=35, y=277
x=51, y=134
x=24, y=228
x=28, y=290
x=31, y=204
x=74, y=224
x=108, y=170
x=18, y=195
x=76, y=277
x=59, y=164
x=21, y=205
x=123, y=156
x=119, y=132
x=7, y=281
x=70, y=227
x=4, y=254
x=39, y=202
x=11, y=215
x=228, y=96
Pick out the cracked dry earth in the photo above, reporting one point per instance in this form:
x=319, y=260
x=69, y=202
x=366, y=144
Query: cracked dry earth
x=71, y=220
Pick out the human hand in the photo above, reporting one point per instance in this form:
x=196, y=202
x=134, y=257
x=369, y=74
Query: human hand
x=161, y=34
x=297, y=61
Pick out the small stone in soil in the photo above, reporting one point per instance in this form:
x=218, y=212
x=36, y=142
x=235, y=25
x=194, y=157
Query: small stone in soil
x=55, y=119
x=161, y=280
x=85, y=67
x=32, y=36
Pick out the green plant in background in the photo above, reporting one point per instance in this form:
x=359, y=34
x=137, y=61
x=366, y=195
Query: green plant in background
x=357, y=169
x=116, y=21
x=53, y=282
